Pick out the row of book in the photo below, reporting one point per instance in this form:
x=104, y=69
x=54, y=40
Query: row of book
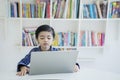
x=114, y=11
x=15, y=9
x=61, y=38
x=86, y=38
x=65, y=8
x=91, y=38
x=65, y=39
x=28, y=37
x=39, y=9
x=97, y=9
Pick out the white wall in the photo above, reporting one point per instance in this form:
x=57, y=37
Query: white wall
x=9, y=57
x=111, y=59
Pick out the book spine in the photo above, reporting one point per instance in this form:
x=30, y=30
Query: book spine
x=98, y=8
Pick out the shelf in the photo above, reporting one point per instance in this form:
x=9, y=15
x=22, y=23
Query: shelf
x=64, y=47
x=98, y=19
x=64, y=19
x=116, y=19
x=91, y=47
x=2, y=18
x=17, y=19
x=35, y=19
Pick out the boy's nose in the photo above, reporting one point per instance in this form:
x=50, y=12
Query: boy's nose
x=46, y=39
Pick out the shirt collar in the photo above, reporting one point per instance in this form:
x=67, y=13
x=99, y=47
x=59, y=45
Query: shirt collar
x=50, y=49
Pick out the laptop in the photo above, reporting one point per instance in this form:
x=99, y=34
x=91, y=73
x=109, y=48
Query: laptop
x=52, y=62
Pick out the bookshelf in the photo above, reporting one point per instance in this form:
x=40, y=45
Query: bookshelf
x=65, y=20
x=2, y=9
x=113, y=31
x=2, y=21
x=2, y=29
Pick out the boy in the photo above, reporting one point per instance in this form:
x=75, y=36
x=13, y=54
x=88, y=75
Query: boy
x=45, y=36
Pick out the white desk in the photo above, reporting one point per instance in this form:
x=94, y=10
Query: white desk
x=83, y=74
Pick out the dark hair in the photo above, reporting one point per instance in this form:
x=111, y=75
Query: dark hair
x=44, y=28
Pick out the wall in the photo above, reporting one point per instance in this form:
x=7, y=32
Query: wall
x=111, y=59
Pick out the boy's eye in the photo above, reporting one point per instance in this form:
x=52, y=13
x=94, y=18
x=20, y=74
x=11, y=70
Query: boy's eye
x=44, y=38
x=41, y=38
x=49, y=38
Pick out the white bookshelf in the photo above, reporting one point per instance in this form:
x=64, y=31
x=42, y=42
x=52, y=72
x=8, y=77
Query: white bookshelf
x=2, y=20
x=12, y=27
x=2, y=9
x=2, y=30
x=113, y=31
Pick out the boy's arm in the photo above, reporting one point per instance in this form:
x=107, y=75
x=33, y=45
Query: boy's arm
x=24, y=62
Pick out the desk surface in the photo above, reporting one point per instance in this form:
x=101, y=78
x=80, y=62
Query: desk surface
x=83, y=74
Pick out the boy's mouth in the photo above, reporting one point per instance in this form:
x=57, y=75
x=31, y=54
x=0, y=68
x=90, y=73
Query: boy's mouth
x=45, y=44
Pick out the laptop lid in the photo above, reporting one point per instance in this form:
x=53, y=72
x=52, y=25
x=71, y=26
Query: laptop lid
x=51, y=62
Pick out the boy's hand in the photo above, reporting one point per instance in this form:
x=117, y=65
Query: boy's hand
x=76, y=68
x=23, y=71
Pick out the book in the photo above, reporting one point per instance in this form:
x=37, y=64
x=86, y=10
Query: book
x=99, y=9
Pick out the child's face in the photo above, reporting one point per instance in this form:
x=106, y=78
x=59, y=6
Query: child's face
x=45, y=40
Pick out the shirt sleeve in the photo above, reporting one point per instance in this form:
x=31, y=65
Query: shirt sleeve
x=25, y=61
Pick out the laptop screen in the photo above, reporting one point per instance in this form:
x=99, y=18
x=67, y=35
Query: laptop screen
x=50, y=62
